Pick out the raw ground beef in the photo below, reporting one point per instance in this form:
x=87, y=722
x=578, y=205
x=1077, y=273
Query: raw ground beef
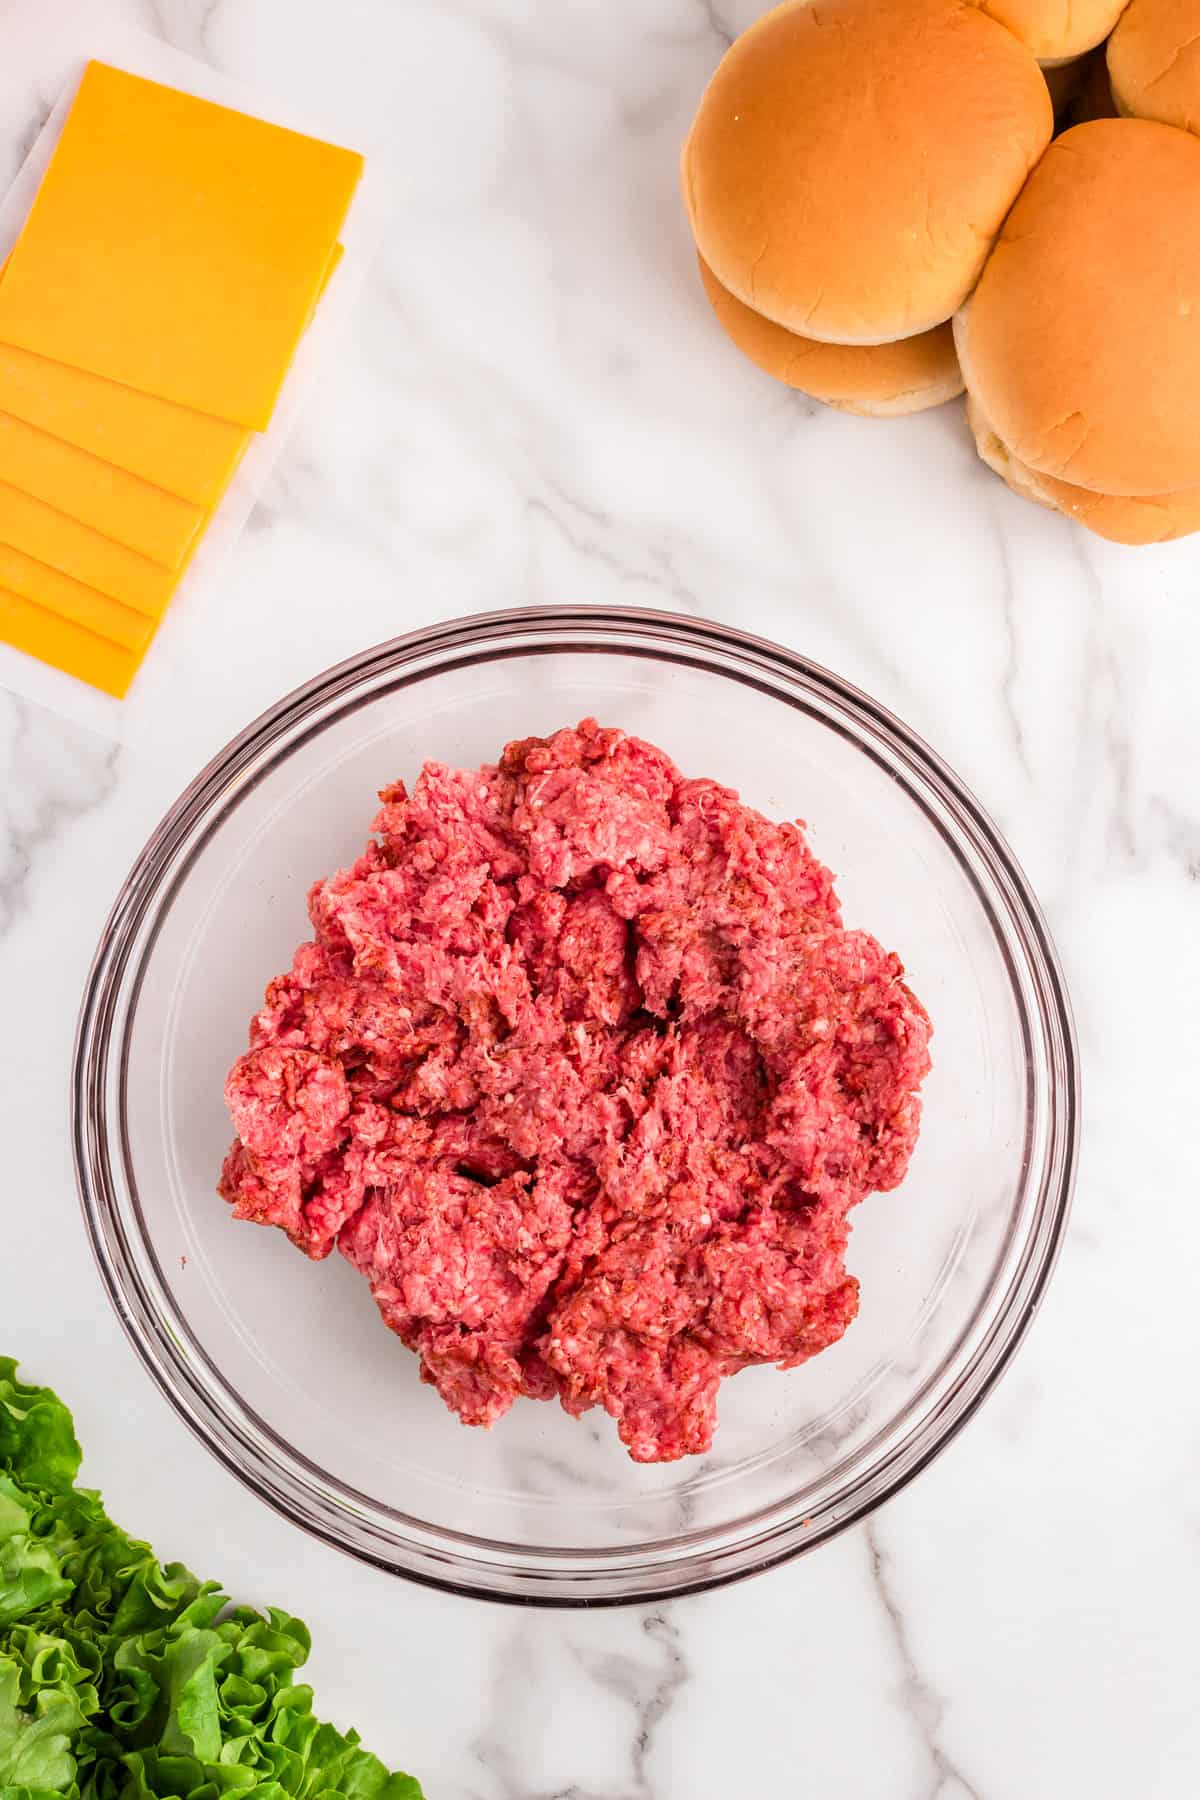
x=583, y=1072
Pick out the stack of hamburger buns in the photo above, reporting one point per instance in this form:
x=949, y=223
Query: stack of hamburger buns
x=882, y=219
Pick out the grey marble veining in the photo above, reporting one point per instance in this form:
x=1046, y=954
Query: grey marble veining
x=924, y=1707
x=51, y=774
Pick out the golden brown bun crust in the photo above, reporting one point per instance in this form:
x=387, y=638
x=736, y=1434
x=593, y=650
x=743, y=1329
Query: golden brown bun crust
x=1152, y=519
x=852, y=162
x=998, y=457
x=1056, y=30
x=1154, y=62
x=1082, y=340
x=876, y=380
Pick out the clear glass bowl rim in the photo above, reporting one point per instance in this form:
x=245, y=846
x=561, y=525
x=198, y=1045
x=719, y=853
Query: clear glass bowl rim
x=287, y=1481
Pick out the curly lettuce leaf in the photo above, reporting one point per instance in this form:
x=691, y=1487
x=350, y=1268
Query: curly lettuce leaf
x=122, y=1678
x=35, y=1741
x=31, y=1572
x=37, y=1435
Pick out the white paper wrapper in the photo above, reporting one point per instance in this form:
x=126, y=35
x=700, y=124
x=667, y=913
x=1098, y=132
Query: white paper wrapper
x=59, y=66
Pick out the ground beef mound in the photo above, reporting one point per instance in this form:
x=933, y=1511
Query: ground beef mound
x=583, y=1072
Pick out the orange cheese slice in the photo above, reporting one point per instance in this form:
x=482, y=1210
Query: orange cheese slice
x=176, y=246
x=188, y=453
x=65, y=645
x=134, y=513
x=58, y=593
x=51, y=537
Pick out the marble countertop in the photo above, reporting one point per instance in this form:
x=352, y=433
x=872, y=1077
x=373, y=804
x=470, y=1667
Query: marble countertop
x=532, y=405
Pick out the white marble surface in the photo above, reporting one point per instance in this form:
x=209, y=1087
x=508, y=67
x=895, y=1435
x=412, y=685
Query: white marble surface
x=532, y=405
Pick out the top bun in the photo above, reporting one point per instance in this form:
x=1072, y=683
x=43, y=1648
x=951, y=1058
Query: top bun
x=1057, y=30
x=1154, y=62
x=1082, y=341
x=852, y=162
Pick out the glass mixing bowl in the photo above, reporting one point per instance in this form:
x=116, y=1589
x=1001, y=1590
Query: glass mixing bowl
x=283, y=1368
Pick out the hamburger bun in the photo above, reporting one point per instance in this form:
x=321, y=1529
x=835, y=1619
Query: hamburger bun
x=1056, y=30
x=1082, y=340
x=1150, y=519
x=1154, y=62
x=852, y=161
x=876, y=380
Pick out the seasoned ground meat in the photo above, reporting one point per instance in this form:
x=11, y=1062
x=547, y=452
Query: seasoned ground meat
x=583, y=1072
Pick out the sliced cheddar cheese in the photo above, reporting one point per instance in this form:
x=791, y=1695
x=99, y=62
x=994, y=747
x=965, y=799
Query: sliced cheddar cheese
x=65, y=645
x=122, y=506
x=176, y=246
x=76, y=550
x=187, y=453
x=58, y=593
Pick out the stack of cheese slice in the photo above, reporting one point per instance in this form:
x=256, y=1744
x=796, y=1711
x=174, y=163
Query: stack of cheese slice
x=149, y=313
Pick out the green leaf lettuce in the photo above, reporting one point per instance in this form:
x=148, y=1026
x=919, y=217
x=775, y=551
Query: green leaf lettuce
x=122, y=1678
